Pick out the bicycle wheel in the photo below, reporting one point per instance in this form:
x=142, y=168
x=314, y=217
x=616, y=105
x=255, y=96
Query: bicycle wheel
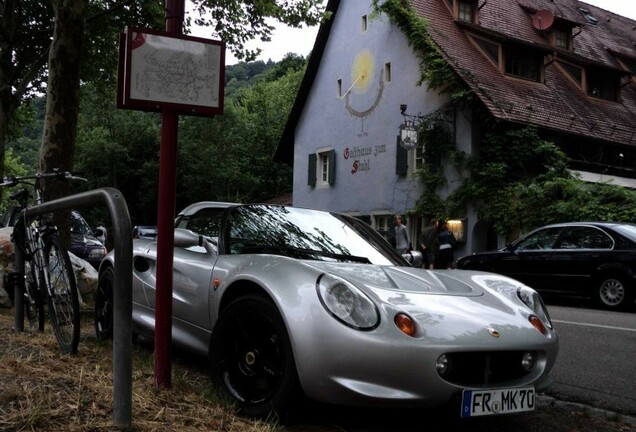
x=33, y=299
x=62, y=297
x=33, y=302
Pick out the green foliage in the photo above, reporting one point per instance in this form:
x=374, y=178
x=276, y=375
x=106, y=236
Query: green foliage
x=13, y=167
x=229, y=158
x=226, y=158
x=120, y=149
x=237, y=22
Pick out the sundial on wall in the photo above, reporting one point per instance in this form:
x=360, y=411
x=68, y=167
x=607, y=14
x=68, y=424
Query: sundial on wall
x=366, y=86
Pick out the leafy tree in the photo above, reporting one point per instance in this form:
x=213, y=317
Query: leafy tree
x=26, y=33
x=229, y=158
x=13, y=167
x=238, y=21
x=119, y=149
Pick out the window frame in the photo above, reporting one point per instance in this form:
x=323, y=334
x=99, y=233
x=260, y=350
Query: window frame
x=465, y=11
x=524, y=57
x=600, y=77
x=321, y=168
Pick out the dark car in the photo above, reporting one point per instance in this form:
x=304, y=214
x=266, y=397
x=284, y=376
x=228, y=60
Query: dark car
x=84, y=244
x=594, y=260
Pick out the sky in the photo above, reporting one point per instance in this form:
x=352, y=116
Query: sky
x=301, y=41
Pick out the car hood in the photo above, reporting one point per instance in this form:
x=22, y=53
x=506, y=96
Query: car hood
x=85, y=242
x=405, y=279
x=458, y=305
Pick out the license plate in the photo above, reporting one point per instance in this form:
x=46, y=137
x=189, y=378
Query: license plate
x=500, y=401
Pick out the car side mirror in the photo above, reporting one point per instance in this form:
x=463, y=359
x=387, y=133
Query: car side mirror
x=414, y=258
x=98, y=232
x=184, y=238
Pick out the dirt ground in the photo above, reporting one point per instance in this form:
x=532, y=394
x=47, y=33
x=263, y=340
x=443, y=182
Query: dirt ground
x=43, y=390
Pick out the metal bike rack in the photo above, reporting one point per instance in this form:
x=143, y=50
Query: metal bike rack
x=122, y=295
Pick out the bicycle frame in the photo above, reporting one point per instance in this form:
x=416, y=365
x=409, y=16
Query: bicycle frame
x=37, y=240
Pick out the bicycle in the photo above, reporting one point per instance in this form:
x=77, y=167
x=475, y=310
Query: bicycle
x=48, y=272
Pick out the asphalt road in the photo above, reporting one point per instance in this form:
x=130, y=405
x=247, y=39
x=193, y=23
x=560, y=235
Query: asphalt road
x=597, y=358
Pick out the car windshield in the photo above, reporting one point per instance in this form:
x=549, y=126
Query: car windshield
x=306, y=234
x=543, y=239
x=79, y=225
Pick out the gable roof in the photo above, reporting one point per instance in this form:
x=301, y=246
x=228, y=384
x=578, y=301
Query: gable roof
x=557, y=104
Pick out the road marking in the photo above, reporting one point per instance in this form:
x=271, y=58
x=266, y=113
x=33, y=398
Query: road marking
x=595, y=325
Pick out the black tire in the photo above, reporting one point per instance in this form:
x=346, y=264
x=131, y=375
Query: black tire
x=252, y=361
x=33, y=301
x=613, y=292
x=104, y=305
x=63, y=300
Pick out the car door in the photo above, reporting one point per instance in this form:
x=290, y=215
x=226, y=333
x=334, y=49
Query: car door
x=526, y=259
x=577, y=254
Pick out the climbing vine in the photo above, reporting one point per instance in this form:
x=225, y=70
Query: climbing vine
x=517, y=180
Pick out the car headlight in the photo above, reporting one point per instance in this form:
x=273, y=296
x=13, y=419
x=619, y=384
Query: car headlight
x=347, y=303
x=97, y=253
x=533, y=300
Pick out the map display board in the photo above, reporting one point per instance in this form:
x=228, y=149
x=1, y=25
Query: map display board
x=182, y=73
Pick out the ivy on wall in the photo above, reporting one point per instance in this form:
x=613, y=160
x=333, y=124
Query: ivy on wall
x=516, y=180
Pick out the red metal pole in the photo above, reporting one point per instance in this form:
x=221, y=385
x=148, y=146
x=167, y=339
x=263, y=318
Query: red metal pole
x=165, y=221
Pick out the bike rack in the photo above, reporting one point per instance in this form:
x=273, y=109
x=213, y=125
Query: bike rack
x=122, y=295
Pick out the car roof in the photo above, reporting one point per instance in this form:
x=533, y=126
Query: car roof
x=594, y=223
x=195, y=207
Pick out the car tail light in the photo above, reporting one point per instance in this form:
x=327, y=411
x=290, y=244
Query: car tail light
x=405, y=323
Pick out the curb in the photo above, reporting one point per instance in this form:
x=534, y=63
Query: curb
x=549, y=401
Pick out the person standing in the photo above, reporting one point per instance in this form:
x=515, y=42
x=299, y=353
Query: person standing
x=101, y=233
x=447, y=242
x=429, y=244
x=401, y=236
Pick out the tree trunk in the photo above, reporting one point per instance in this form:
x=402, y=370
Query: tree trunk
x=62, y=98
x=6, y=106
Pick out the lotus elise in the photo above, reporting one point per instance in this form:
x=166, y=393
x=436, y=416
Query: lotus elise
x=288, y=302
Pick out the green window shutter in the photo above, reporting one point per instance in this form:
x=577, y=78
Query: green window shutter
x=311, y=169
x=332, y=167
x=401, y=159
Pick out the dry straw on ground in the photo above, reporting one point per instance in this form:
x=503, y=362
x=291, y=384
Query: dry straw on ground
x=43, y=390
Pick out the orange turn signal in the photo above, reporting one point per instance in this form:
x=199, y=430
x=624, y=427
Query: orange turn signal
x=538, y=324
x=405, y=324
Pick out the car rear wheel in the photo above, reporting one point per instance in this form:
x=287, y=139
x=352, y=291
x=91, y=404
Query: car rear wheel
x=251, y=358
x=614, y=293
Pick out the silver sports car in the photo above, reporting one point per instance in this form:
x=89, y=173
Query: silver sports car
x=289, y=302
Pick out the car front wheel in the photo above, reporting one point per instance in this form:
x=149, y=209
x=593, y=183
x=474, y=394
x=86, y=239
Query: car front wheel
x=252, y=360
x=613, y=293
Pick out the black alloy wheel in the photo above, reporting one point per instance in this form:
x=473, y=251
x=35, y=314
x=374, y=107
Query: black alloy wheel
x=251, y=358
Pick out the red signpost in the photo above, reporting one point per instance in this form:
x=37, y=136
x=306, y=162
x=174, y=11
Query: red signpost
x=165, y=220
x=170, y=73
